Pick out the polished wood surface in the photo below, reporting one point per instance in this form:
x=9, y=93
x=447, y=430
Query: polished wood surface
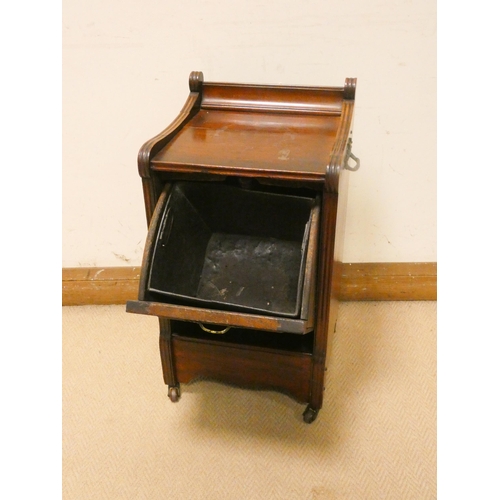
x=276, y=133
x=273, y=99
x=252, y=144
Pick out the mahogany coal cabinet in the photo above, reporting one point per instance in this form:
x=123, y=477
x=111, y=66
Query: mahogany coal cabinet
x=245, y=196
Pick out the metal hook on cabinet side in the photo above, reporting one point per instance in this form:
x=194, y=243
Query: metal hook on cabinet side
x=349, y=155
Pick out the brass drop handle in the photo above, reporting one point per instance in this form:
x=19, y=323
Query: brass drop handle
x=215, y=332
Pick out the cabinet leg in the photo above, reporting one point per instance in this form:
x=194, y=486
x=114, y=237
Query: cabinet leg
x=167, y=362
x=310, y=414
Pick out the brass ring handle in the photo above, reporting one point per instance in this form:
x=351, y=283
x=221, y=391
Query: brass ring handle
x=216, y=332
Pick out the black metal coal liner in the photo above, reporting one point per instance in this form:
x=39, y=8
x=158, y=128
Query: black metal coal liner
x=223, y=247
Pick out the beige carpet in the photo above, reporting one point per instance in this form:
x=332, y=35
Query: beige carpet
x=375, y=437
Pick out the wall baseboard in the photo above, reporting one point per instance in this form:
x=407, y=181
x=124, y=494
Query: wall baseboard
x=389, y=281
x=99, y=285
x=360, y=281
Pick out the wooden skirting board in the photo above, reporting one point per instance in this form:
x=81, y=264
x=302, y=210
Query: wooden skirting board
x=366, y=281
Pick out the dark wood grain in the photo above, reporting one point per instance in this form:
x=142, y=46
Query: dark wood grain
x=166, y=353
x=248, y=367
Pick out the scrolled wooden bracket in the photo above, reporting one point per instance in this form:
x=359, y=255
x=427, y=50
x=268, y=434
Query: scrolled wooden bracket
x=350, y=89
x=341, y=151
x=157, y=142
x=151, y=185
x=195, y=81
x=332, y=177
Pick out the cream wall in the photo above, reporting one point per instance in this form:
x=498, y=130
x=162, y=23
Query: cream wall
x=125, y=77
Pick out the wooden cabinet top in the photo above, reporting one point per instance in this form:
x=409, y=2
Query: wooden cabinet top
x=293, y=133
